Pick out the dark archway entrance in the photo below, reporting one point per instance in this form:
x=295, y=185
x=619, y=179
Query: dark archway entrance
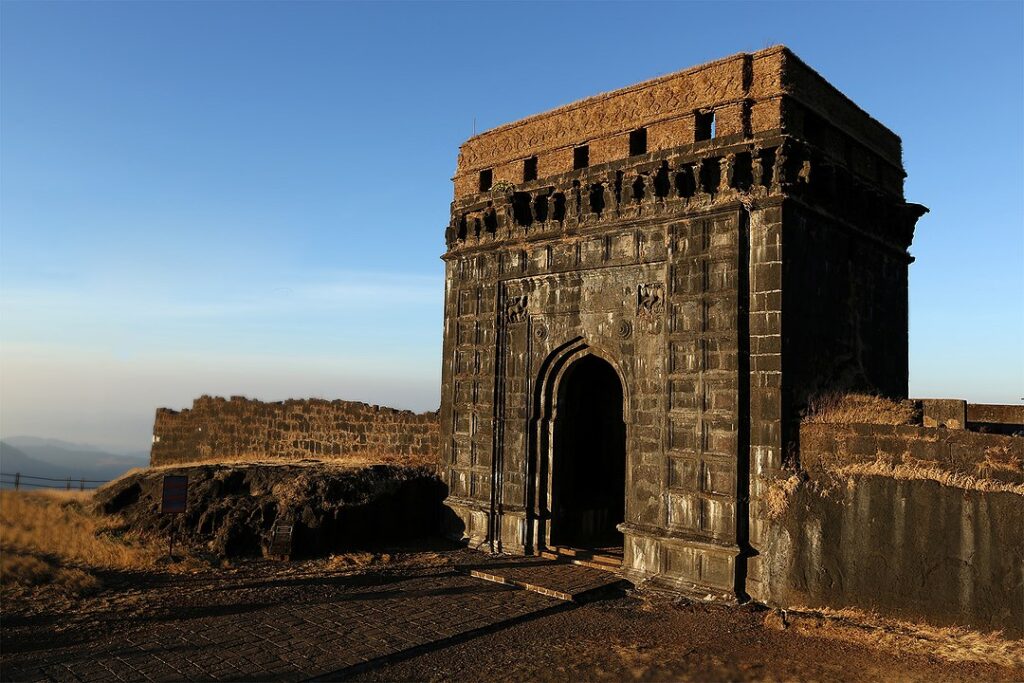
x=588, y=479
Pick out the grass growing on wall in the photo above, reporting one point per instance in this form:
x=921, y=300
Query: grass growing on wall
x=349, y=460
x=848, y=409
x=909, y=471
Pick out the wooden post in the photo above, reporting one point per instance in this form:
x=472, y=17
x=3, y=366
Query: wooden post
x=69, y=484
x=17, y=480
x=81, y=484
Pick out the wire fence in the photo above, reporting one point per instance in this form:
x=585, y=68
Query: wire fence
x=17, y=479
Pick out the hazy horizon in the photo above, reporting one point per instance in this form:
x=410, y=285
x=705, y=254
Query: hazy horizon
x=250, y=199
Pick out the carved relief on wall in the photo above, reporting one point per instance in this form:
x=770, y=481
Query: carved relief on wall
x=515, y=309
x=650, y=300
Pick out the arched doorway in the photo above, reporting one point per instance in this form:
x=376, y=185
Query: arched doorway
x=588, y=468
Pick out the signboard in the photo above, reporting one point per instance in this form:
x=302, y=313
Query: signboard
x=175, y=496
x=281, y=542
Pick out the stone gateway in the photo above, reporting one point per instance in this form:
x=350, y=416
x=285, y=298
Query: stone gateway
x=642, y=291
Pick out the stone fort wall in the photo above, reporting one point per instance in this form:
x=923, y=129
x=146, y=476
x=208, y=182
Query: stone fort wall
x=912, y=522
x=218, y=429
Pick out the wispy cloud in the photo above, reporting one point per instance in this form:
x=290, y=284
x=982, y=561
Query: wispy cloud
x=92, y=361
x=219, y=298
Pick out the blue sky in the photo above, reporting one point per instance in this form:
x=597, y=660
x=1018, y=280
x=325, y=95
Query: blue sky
x=250, y=198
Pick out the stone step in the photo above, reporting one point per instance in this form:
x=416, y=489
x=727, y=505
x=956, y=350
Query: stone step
x=555, y=578
x=584, y=558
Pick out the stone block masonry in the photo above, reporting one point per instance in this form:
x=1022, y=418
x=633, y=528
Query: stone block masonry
x=972, y=459
x=916, y=523
x=642, y=291
x=218, y=430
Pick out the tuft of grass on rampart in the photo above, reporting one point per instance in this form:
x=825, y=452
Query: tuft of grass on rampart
x=846, y=409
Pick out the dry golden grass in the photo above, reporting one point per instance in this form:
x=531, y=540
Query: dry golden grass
x=347, y=461
x=27, y=570
x=914, y=471
x=847, y=409
x=778, y=494
x=55, y=538
x=355, y=560
x=999, y=459
x=951, y=643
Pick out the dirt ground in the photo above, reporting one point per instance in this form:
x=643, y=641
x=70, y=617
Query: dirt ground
x=634, y=638
x=357, y=599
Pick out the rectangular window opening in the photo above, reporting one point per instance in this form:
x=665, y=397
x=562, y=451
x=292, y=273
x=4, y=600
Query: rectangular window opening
x=705, y=126
x=530, y=169
x=813, y=128
x=638, y=142
x=581, y=156
x=485, y=179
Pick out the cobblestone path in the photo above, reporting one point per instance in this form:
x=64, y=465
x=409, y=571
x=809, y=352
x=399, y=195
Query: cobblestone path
x=280, y=628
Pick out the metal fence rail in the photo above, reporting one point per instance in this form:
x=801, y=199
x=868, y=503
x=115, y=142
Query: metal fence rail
x=18, y=480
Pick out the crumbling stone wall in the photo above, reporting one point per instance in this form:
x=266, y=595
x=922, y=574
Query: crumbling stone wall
x=218, y=429
x=911, y=522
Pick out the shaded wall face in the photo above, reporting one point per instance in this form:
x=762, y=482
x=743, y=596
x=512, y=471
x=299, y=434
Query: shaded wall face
x=845, y=319
x=914, y=550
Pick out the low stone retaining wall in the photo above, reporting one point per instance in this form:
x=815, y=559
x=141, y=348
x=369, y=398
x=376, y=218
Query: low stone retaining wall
x=219, y=430
x=914, y=523
x=967, y=454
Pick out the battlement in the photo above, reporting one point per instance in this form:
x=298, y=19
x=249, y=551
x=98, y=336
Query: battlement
x=748, y=96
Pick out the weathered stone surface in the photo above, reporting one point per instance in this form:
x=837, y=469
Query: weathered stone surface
x=747, y=92
x=997, y=417
x=725, y=242
x=218, y=430
x=914, y=549
x=910, y=521
x=944, y=412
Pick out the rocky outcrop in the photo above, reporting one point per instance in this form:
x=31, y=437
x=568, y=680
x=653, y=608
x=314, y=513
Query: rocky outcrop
x=232, y=509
